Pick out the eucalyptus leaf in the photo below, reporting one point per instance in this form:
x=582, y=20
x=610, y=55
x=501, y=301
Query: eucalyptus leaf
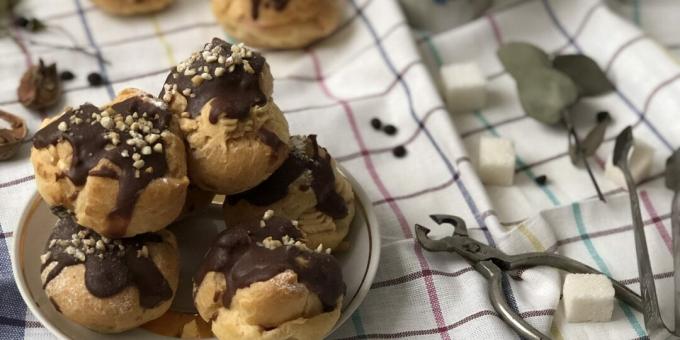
x=6, y=6
x=518, y=57
x=591, y=143
x=673, y=171
x=544, y=93
x=585, y=72
x=594, y=138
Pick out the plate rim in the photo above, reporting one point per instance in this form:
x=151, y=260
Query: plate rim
x=358, y=298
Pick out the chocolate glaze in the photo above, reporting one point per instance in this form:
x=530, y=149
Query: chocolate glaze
x=240, y=256
x=117, y=268
x=89, y=148
x=233, y=93
x=278, y=5
x=307, y=159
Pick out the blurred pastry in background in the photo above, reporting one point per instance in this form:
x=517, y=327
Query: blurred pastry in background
x=278, y=24
x=307, y=188
x=132, y=7
x=236, y=134
x=106, y=285
x=121, y=169
x=259, y=281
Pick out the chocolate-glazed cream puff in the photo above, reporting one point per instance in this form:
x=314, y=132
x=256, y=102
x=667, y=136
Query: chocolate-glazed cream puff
x=278, y=23
x=307, y=188
x=109, y=285
x=259, y=281
x=236, y=135
x=121, y=168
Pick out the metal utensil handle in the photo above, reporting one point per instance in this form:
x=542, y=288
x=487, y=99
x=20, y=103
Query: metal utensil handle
x=650, y=302
x=494, y=274
x=675, y=222
x=566, y=264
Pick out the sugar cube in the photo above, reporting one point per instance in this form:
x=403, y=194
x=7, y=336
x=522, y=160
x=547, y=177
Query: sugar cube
x=496, y=161
x=588, y=298
x=463, y=86
x=640, y=161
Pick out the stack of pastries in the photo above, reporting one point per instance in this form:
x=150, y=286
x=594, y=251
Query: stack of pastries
x=117, y=175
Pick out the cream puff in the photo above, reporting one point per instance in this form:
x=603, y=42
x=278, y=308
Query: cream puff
x=278, y=23
x=121, y=168
x=236, y=135
x=259, y=281
x=106, y=285
x=307, y=188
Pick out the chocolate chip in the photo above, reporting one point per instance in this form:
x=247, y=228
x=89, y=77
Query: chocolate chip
x=95, y=79
x=376, y=123
x=602, y=116
x=390, y=129
x=541, y=180
x=21, y=22
x=66, y=75
x=399, y=151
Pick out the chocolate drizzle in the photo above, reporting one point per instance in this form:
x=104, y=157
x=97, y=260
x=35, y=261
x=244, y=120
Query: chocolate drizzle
x=91, y=142
x=305, y=158
x=233, y=81
x=110, y=266
x=239, y=254
x=278, y=5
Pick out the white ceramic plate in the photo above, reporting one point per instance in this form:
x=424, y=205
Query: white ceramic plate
x=194, y=235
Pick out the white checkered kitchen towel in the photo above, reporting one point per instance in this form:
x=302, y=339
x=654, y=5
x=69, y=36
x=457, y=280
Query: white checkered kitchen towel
x=371, y=68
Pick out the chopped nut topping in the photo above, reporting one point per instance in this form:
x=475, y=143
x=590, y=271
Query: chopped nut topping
x=79, y=255
x=45, y=257
x=268, y=214
x=106, y=122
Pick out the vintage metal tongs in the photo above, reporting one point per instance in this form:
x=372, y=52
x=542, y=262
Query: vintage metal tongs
x=491, y=263
x=654, y=324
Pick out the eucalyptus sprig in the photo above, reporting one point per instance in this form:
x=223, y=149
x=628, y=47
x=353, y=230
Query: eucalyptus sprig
x=548, y=88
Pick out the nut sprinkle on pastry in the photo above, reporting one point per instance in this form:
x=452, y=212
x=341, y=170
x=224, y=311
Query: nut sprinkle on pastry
x=110, y=265
x=129, y=134
x=228, y=74
x=253, y=253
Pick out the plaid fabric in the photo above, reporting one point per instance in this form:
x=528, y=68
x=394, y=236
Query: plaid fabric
x=571, y=222
x=371, y=68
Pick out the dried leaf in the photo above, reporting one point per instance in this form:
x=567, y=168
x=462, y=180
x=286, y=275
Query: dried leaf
x=544, y=93
x=673, y=171
x=585, y=72
x=519, y=57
